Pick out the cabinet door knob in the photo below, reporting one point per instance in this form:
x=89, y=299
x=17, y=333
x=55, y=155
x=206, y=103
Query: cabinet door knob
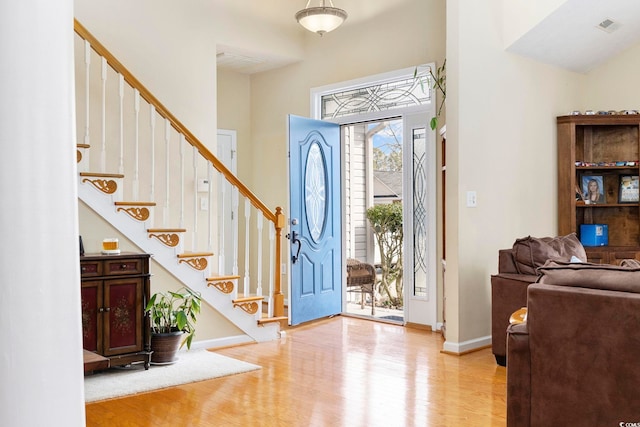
x=107, y=309
x=100, y=310
x=123, y=267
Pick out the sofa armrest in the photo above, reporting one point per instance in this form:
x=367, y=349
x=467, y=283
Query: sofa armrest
x=584, y=346
x=518, y=376
x=508, y=294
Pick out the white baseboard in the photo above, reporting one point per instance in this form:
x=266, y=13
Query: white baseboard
x=466, y=346
x=220, y=342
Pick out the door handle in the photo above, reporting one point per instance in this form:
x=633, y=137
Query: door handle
x=294, y=239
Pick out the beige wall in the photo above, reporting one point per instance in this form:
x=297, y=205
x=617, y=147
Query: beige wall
x=501, y=112
x=234, y=113
x=613, y=86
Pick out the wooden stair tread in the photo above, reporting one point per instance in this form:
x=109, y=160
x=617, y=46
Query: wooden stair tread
x=250, y=298
x=266, y=320
x=166, y=230
x=194, y=254
x=135, y=203
x=218, y=278
x=102, y=175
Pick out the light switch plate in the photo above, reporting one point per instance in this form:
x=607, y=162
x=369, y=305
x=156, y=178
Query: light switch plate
x=472, y=199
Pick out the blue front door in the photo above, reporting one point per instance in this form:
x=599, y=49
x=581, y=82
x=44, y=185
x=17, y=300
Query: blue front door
x=315, y=226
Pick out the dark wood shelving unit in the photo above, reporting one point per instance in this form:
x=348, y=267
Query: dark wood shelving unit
x=600, y=140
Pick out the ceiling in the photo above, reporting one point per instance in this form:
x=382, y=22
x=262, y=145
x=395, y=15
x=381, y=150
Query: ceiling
x=568, y=38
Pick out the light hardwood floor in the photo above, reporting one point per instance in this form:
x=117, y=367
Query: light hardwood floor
x=336, y=372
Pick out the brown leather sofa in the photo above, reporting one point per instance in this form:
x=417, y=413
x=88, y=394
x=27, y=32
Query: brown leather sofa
x=576, y=360
x=516, y=271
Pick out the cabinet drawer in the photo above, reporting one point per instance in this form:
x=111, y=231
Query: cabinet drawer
x=90, y=268
x=122, y=266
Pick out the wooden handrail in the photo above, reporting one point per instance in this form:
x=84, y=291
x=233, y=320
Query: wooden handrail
x=175, y=123
x=276, y=217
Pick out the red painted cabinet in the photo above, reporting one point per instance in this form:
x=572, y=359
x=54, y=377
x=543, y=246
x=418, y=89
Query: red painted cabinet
x=115, y=290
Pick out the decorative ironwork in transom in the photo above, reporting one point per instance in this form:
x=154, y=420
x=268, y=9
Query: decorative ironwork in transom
x=391, y=95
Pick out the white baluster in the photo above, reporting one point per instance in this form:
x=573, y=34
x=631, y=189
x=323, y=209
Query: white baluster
x=121, y=94
x=136, y=156
x=182, y=142
x=260, y=221
x=222, y=222
x=87, y=66
x=272, y=238
x=234, y=228
x=103, y=151
x=152, y=190
x=167, y=137
x=194, y=234
x=247, y=215
x=210, y=214
x=87, y=61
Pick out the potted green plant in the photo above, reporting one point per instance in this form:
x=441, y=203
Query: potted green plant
x=172, y=315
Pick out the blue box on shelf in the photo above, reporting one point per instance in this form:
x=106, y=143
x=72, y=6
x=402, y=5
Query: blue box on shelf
x=594, y=234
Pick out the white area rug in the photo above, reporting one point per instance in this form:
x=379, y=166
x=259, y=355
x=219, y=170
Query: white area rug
x=193, y=365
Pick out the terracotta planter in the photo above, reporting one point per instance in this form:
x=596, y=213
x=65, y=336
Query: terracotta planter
x=165, y=347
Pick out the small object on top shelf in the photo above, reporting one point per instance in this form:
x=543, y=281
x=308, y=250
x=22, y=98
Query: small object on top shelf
x=615, y=163
x=589, y=113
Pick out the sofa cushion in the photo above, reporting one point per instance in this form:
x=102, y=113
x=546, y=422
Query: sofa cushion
x=624, y=277
x=530, y=252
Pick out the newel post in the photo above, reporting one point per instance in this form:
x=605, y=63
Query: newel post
x=278, y=296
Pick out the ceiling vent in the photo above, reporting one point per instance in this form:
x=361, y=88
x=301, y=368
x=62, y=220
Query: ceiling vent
x=608, y=25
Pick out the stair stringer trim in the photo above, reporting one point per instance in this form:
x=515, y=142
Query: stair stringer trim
x=136, y=231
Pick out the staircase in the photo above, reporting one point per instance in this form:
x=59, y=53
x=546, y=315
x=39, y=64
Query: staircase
x=147, y=175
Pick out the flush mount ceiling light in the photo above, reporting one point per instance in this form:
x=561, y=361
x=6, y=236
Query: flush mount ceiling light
x=321, y=19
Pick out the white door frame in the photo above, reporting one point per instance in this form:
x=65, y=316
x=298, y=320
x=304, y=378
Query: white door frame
x=420, y=309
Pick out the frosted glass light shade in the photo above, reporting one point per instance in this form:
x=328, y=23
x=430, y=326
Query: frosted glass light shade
x=321, y=19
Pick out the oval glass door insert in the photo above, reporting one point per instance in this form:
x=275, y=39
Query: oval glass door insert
x=315, y=191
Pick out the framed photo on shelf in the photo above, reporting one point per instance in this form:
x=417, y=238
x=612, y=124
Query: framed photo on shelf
x=628, y=192
x=593, y=189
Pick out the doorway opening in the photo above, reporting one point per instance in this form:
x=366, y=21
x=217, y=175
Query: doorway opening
x=400, y=104
x=373, y=164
